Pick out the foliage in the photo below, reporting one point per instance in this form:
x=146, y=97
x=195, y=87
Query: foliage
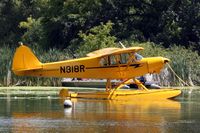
x=12, y=12
x=88, y=25
x=151, y=49
x=5, y=61
x=35, y=33
x=185, y=62
x=179, y=24
x=96, y=38
x=44, y=56
x=9, y=20
x=57, y=23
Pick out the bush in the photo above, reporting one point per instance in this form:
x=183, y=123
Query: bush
x=185, y=62
x=98, y=37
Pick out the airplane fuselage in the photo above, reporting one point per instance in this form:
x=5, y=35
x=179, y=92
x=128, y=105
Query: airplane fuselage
x=91, y=68
x=111, y=63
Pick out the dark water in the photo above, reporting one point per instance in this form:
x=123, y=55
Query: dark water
x=47, y=114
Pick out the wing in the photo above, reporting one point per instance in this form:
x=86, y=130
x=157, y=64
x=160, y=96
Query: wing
x=103, y=51
x=109, y=51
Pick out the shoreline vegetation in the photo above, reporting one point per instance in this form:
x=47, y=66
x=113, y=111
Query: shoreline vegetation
x=185, y=63
x=25, y=90
x=18, y=92
x=58, y=30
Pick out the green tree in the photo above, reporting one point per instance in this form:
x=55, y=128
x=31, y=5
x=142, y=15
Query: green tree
x=180, y=24
x=12, y=12
x=35, y=33
x=96, y=38
x=9, y=19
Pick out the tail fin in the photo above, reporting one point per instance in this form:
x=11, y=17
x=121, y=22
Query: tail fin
x=24, y=60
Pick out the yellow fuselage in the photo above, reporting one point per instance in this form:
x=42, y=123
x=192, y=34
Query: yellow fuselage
x=90, y=67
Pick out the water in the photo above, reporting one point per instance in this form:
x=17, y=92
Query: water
x=30, y=113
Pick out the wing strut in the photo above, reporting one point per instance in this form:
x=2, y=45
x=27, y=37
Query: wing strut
x=139, y=84
x=112, y=91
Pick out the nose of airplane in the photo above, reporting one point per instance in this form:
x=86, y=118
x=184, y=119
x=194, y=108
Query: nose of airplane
x=166, y=60
x=155, y=64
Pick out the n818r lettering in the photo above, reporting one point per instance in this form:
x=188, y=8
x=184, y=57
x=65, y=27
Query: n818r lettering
x=72, y=69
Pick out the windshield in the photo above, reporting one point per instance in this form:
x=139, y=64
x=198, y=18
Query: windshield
x=138, y=56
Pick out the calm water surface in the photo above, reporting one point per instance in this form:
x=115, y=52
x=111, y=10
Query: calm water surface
x=47, y=114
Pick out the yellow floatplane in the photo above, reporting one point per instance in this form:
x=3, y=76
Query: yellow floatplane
x=123, y=64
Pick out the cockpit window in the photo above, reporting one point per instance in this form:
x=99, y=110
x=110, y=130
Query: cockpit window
x=104, y=61
x=124, y=58
x=113, y=60
x=138, y=56
x=109, y=60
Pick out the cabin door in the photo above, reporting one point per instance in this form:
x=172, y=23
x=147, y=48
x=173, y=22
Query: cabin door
x=123, y=64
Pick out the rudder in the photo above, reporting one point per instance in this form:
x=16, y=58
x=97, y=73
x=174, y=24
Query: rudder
x=24, y=59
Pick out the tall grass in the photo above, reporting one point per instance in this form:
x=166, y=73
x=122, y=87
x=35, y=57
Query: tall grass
x=7, y=77
x=6, y=55
x=185, y=62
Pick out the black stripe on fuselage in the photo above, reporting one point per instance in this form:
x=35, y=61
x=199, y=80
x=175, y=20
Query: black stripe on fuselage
x=134, y=65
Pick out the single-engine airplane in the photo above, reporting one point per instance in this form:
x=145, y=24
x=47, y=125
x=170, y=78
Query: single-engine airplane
x=124, y=64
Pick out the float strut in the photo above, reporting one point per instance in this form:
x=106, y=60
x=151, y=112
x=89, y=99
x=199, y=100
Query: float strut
x=108, y=85
x=139, y=84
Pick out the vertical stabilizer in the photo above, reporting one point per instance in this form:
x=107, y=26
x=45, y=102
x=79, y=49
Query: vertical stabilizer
x=24, y=59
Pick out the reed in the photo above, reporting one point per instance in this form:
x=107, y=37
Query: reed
x=185, y=62
x=8, y=78
x=5, y=64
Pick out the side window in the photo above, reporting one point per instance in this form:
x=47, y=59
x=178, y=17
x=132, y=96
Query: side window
x=104, y=61
x=109, y=60
x=124, y=58
x=113, y=59
x=138, y=57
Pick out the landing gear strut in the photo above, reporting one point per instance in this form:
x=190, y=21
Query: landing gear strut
x=125, y=82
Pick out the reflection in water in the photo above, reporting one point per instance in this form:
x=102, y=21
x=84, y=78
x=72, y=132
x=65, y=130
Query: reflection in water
x=98, y=116
x=48, y=115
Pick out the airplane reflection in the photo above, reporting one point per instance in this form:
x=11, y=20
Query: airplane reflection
x=101, y=115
